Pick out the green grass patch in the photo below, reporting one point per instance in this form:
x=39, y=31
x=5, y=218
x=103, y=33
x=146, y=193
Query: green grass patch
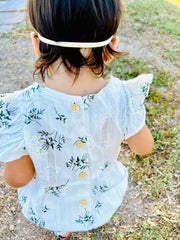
x=157, y=135
x=178, y=195
x=158, y=14
x=173, y=160
x=96, y=235
x=155, y=96
x=170, y=27
x=129, y=67
x=162, y=78
x=171, y=55
x=157, y=110
x=153, y=231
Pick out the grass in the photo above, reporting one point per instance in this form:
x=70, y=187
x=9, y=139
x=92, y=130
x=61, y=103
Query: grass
x=171, y=54
x=129, y=67
x=174, y=2
x=160, y=15
x=126, y=67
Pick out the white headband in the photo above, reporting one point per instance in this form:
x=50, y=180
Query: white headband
x=76, y=44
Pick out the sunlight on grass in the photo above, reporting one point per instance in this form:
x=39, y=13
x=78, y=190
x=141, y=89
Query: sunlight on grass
x=174, y=2
x=158, y=14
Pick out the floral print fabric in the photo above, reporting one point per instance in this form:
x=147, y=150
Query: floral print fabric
x=74, y=144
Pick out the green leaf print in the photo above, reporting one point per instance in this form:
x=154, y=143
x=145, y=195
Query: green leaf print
x=32, y=90
x=56, y=191
x=88, y=100
x=106, y=164
x=5, y=114
x=87, y=218
x=60, y=143
x=78, y=163
x=60, y=117
x=81, y=139
x=98, y=206
x=145, y=89
x=34, y=115
x=32, y=212
x=33, y=218
x=23, y=199
x=41, y=224
x=1, y=104
x=51, y=140
x=45, y=209
x=100, y=188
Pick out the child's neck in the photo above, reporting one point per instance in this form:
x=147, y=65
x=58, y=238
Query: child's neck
x=86, y=83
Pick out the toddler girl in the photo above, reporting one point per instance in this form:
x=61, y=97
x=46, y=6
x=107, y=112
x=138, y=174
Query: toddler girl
x=61, y=139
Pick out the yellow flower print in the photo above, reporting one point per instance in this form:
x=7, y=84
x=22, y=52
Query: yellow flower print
x=35, y=147
x=90, y=142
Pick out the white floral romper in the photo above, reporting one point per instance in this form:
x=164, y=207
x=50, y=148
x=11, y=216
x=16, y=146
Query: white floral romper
x=74, y=143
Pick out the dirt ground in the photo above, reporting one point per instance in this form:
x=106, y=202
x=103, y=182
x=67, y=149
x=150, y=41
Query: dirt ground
x=16, y=58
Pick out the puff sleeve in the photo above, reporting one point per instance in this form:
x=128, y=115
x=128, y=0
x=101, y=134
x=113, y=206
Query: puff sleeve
x=12, y=144
x=136, y=90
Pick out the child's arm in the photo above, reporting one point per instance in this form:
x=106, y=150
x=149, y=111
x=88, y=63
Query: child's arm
x=20, y=172
x=142, y=142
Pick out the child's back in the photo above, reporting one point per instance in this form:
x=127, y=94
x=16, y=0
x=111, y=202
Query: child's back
x=72, y=132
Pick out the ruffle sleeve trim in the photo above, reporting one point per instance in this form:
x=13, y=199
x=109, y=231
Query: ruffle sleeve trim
x=12, y=145
x=136, y=91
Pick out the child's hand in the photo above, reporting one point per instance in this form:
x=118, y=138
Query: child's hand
x=107, y=57
x=20, y=172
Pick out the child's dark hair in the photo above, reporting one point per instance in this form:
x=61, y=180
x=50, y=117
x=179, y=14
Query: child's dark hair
x=74, y=21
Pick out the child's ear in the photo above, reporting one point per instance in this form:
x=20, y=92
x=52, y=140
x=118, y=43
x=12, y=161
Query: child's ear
x=107, y=57
x=35, y=43
x=114, y=43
